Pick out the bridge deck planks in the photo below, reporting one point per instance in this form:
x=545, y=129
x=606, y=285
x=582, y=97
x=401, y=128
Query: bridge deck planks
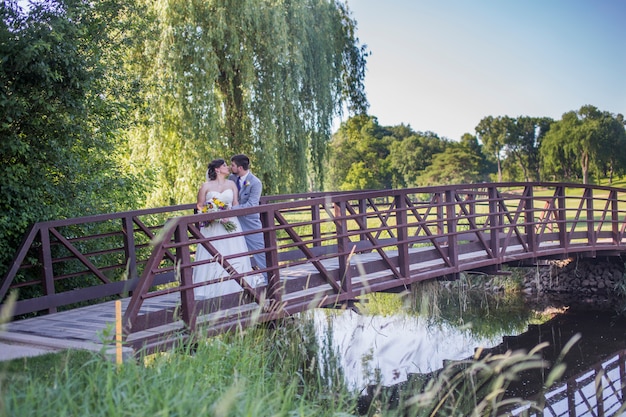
x=91, y=323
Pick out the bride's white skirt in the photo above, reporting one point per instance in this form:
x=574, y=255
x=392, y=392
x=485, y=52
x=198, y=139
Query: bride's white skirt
x=215, y=270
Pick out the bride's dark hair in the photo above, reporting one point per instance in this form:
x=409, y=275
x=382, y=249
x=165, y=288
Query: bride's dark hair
x=213, y=165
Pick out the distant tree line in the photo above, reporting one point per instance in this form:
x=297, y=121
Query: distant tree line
x=585, y=145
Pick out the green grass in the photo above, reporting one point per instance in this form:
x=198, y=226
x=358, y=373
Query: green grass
x=279, y=371
x=43, y=368
x=254, y=373
x=282, y=371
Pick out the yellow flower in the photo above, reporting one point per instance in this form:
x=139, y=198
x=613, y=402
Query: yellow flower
x=213, y=205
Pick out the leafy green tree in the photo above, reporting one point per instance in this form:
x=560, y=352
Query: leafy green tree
x=259, y=77
x=458, y=164
x=612, y=156
x=365, y=155
x=60, y=111
x=523, y=143
x=412, y=153
x=586, y=141
x=581, y=143
x=559, y=162
x=494, y=133
x=358, y=155
x=513, y=143
x=469, y=143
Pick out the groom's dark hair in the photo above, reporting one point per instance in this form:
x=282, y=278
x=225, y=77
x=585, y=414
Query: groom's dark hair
x=241, y=160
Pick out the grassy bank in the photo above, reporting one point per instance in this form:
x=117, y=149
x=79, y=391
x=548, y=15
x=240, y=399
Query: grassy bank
x=256, y=373
x=283, y=371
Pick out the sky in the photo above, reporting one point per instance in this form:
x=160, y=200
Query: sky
x=444, y=65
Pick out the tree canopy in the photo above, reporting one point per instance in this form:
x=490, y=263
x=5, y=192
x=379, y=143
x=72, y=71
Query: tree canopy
x=584, y=142
x=113, y=105
x=259, y=77
x=366, y=155
x=412, y=153
x=357, y=156
x=60, y=114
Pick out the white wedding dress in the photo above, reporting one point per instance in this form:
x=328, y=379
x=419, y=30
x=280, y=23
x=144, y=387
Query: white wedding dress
x=226, y=246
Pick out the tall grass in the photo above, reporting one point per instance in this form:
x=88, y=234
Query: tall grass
x=278, y=370
x=260, y=372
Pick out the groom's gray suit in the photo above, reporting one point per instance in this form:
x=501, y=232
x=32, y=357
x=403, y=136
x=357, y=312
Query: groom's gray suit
x=249, y=196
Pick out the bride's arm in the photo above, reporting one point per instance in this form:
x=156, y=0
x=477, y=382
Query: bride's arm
x=233, y=187
x=202, y=196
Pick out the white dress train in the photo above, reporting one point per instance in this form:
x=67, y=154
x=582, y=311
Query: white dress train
x=225, y=246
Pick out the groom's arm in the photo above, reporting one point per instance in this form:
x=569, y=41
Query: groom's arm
x=254, y=198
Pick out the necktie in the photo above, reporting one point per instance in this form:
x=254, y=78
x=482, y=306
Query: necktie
x=239, y=183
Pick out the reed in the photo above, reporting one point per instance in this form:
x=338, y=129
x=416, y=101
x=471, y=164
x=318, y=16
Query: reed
x=284, y=369
x=259, y=372
x=463, y=388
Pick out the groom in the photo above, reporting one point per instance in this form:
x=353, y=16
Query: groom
x=250, y=188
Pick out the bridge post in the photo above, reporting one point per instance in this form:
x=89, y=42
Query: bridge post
x=183, y=256
x=495, y=220
x=343, y=243
x=615, y=231
x=363, y=211
x=46, y=261
x=316, y=227
x=591, y=233
x=451, y=216
x=529, y=218
x=438, y=200
x=561, y=216
x=403, y=235
x=274, y=290
x=129, y=246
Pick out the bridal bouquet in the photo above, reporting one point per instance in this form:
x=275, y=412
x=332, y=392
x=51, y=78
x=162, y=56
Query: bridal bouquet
x=215, y=204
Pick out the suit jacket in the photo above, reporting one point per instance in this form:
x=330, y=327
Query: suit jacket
x=249, y=196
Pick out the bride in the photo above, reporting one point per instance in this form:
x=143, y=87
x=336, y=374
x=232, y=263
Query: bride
x=224, y=190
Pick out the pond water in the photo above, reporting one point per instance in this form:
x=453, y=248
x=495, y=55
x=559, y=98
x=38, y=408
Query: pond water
x=395, y=338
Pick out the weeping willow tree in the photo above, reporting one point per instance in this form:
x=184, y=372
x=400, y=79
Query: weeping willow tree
x=261, y=77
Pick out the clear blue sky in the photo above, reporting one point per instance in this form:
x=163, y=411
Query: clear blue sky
x=443, y=65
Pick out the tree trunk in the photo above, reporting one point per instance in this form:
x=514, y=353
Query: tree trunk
x=584, y=164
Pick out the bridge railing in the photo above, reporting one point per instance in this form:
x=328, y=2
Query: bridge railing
x=321, y=248
x=72, y=262
x=329, y=250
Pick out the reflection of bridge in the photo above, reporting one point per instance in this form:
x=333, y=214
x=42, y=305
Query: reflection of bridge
x=594, y=382
x=321, y=250
x=599, y=391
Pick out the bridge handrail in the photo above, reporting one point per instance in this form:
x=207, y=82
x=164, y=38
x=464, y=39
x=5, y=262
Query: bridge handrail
x=500, y=227
x=450, y=220
x=43, y=236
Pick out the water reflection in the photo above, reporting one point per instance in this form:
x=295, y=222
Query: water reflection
x=403, y=340
x=387, y=345
x=578, y=395
x=387, y=349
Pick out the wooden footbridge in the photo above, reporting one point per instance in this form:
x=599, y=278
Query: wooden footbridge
x=322, y=250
